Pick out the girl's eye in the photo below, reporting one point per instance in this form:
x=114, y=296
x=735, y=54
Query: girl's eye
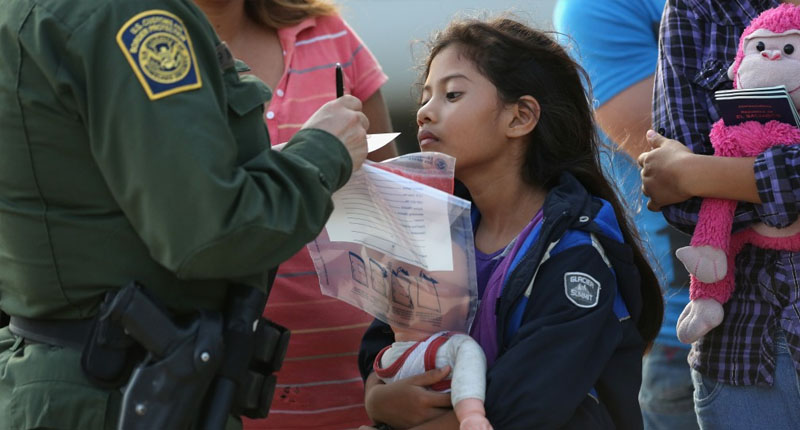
x=452, y=95
x=423, y=102
x=788, y=49
x=760, y=46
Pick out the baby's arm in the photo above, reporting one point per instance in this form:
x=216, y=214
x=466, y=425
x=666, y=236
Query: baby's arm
x=468, y=384
x=472, y=415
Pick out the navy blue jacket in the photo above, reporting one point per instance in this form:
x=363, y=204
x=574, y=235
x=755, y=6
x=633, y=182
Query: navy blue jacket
x=564, y=362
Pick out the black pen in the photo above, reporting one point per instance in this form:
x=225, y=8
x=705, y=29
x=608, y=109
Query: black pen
x=339, y=81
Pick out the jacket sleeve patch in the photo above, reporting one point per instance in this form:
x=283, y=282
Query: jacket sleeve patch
x=581, y=289
x=160, y=52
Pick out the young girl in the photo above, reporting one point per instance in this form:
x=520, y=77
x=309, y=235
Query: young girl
x=568, y=302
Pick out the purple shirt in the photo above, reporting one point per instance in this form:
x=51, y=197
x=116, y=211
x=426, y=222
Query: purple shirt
x=490, y=287
x=699, y=40
x=485, y=265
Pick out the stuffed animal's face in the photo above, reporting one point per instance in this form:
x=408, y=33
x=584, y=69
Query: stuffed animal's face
x=771, y=59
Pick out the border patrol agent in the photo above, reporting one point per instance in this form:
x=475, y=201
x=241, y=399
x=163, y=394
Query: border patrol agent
x=133, y=150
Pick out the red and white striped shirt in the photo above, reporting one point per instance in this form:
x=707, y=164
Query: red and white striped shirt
x=319, y=386
x=311, y=51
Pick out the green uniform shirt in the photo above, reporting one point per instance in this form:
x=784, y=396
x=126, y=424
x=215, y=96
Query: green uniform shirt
x=132, y=150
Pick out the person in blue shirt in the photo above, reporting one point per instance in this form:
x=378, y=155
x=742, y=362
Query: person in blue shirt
x=618, y=46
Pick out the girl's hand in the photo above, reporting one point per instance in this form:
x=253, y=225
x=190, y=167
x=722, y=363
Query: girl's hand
x=406, y=403
x=664, y=171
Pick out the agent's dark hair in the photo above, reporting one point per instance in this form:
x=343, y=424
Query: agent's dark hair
x=520, y=61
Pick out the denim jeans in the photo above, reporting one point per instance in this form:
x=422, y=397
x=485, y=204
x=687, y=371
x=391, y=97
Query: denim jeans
x=728, y=407
x=666, y=393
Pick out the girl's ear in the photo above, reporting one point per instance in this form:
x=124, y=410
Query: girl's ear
x=525, y=115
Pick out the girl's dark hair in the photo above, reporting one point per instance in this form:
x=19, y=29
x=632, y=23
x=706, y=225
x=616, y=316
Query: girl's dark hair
x=520, y=61
x=285, y=13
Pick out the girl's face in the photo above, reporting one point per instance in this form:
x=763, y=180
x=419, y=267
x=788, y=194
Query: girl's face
x=461, y=113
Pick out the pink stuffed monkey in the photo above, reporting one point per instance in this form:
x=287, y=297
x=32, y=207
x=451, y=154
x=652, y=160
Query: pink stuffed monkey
x=768, y=55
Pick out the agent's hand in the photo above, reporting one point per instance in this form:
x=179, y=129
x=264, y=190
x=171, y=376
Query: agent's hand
x=662, y=170
x=343, y=118
x=406, y=403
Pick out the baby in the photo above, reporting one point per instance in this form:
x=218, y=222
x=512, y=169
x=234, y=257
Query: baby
x=414, y=352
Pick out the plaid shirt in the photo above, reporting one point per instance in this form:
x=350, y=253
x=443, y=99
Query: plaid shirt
x=698, y=43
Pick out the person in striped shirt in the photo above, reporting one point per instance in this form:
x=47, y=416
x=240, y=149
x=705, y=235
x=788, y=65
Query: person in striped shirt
x=293, y=46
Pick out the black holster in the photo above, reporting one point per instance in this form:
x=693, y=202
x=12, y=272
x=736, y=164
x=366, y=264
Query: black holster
x=4, y=319
x=199, y=371
x=180, y=360
x=255, y=348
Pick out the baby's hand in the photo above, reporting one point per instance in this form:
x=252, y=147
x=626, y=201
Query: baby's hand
x=475, y=422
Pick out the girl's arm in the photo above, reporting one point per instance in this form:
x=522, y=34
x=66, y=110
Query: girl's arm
x=777, y=178
x=671, y=173
x=406, y=403
x=680, y=102
x=561, y=349
x=445, y=421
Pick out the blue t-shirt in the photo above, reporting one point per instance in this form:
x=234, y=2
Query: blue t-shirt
x=617, y=44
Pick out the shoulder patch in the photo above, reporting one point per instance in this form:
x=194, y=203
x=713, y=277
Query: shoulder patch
x=581, y=289
x=159, y=50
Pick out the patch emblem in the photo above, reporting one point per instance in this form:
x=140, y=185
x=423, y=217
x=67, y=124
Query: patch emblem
x=581, y=289
x=159, y=50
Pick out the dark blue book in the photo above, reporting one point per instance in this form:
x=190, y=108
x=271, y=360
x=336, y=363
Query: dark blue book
x=757, y=104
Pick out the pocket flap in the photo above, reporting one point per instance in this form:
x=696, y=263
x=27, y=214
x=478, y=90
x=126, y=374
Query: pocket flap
x=247, y=94
x=713, y=76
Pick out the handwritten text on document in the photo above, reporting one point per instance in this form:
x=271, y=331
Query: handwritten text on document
x=393, y=215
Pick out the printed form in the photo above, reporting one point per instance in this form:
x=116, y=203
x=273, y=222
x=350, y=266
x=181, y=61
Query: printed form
x=394, y=215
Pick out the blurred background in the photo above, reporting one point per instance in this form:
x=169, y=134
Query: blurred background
x=395, y=31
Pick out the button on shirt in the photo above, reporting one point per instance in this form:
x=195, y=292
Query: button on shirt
x=699, y=40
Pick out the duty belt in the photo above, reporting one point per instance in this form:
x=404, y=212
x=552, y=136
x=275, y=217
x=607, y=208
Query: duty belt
x=65, y=333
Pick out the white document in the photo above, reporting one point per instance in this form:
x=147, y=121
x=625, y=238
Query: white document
x=394, y=215
x=379, y=140
x=374, y=141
